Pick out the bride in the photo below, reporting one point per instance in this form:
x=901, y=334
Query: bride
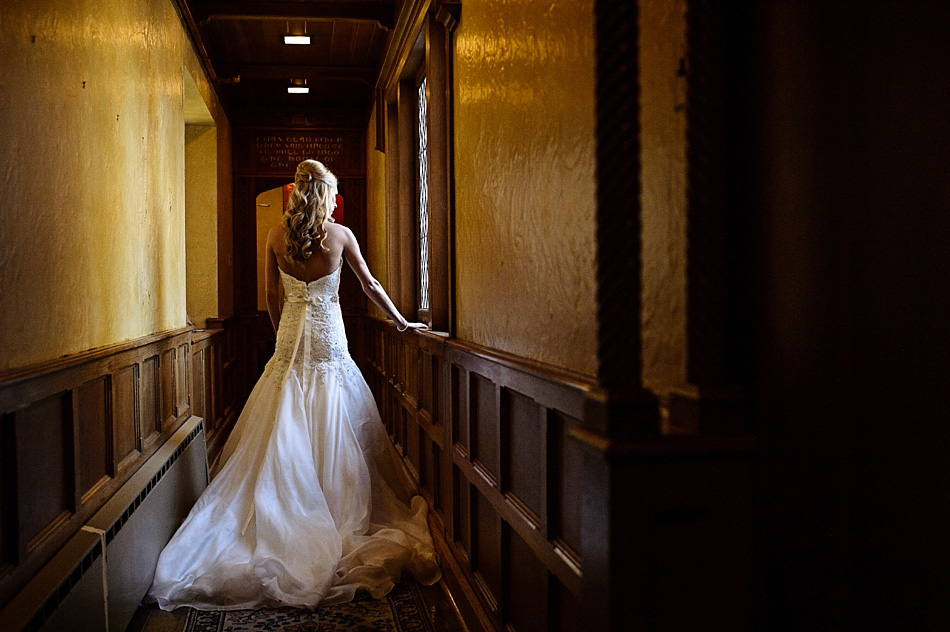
x=310, y=503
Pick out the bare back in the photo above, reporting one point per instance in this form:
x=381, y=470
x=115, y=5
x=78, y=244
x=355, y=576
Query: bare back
x=340, y=243
x=319, y=264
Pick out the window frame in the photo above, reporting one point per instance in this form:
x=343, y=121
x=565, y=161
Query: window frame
x=422, y=232
x=428, y=57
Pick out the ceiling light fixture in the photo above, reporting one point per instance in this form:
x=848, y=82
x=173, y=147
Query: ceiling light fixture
x=296, y=39
x=298, y=86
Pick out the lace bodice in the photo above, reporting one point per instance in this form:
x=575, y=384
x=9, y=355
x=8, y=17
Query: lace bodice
x=311, y=339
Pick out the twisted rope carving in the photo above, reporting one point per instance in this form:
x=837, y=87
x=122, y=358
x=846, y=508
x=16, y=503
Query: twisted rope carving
x=618, y=196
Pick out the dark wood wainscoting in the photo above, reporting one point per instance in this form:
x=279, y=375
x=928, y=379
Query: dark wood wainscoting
x=227, y=361
x=487, y=439
x=73, y=430
x=499, y=448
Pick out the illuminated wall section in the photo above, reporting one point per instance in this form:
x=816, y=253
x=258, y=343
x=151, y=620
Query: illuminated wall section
x=663, y=169
x=375, y=247
x=525, y=193
x=201, y=226
x=92, y=148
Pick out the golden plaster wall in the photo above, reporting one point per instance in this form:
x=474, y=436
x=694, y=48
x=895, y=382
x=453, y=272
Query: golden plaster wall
x=92, y=148
x=201, y=223
x=525, y=195
x=663, y=156
x=375, y=246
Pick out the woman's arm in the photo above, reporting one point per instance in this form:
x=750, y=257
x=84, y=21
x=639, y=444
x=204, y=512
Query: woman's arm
x=274, y=291
x=373, y=288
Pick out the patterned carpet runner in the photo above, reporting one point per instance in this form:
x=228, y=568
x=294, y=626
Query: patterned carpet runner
x=400, y=611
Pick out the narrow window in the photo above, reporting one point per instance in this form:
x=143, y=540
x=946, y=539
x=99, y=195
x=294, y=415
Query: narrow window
x=423, y=188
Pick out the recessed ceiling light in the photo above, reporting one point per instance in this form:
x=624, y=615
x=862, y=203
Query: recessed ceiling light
x=298, y=89
x=296, y=39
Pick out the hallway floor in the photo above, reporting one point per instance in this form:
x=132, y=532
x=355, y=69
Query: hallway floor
x=439, y=611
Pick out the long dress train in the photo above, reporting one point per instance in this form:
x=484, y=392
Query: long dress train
x=311, y=503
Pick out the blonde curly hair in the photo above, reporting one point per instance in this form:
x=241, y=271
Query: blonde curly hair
x=309, y=207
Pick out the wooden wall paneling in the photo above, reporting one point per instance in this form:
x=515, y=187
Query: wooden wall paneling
x=461, y=408
x=244, y=236
x=71, y=432
x=224, y=381
x=462, y=515
x=426, y=386
x=487, y=553
x=408, y=434
x=203, y=372
x=151, y=401
x=210, y=388
x=388, y=362
x=565, y=463
x=217, y=357
x=425, y=462
x=526, y=586
x=411, y=368
x=183, y=381
x=412, y=441
x=556, y=560
x=225, y=375
x=435, y=479
x=559, y=390
x=9, y=510
x=484, y=421
x=523, y=451
x=93, y=414
x=126, y=429
x=45, y=465
x=169, y=399
x=215, y=394
x=399, y=429
x=199, y=381
x=445, y=502
x=219, y=402
x=488, y=438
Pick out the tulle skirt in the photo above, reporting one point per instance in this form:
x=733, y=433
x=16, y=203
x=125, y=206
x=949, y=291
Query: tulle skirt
x=310, y=505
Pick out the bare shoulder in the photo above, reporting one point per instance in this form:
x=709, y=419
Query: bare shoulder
x=276, y=234
x=339, y=231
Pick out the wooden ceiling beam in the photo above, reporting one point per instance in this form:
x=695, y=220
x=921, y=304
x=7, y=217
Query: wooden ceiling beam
x=381, y=12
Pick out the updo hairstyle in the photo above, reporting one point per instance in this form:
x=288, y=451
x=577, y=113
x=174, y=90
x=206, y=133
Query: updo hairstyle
x=310, y=205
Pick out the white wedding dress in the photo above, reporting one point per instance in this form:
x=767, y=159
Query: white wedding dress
x=311, y=503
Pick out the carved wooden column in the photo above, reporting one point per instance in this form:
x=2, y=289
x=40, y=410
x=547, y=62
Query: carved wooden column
x=622, y=412
x=666, y=540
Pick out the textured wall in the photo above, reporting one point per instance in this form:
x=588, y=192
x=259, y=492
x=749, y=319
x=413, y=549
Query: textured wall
x=201, y=222
x=92, y=148
x=663, y=151
x=525, y=196
x=374, y=250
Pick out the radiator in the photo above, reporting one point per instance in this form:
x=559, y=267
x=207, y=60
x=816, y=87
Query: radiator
x=95, y=582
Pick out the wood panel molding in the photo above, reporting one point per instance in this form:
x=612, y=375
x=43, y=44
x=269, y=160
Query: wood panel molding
x=486, y=435
x=503, y=450
x=74, y=429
